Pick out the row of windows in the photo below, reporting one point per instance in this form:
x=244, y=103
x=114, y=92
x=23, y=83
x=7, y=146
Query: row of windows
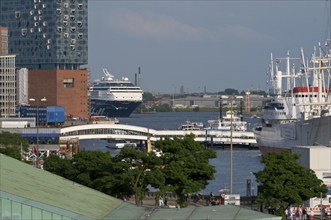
x=306, y=96
x=7, y=61
x=4, y=32
x=15, y=210
x=4, y=39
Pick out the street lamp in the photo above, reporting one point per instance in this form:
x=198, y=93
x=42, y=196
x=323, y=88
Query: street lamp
x=37, y=126
x=232, y=98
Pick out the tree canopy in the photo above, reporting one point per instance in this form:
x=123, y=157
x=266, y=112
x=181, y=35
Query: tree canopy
x=11, y=144
x=183, y=168
x=284, y=182
x=138, y=170
x=186, y=166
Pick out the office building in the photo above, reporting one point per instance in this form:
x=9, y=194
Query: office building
x=7, y=77
x=3, y=40
x=49, y=38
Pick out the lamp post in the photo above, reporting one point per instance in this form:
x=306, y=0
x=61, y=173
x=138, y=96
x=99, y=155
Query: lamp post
x=232, y=98
x=37, y=126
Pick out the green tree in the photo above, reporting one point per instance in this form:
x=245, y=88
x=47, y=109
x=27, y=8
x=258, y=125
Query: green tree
x=89, y=166
x=285, y=182
x=11, y=144
x=186, y=166
x=60, y=166
x=139, y=169
x=147, y=96
x=230, y=91
x=163, y=108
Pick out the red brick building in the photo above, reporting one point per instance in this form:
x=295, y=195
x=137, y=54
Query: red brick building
x=66, y=88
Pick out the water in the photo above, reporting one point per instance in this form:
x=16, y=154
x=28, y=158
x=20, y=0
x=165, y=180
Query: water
x=244, y=161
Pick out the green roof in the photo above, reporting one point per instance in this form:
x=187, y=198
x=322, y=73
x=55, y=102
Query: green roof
x=26, y=184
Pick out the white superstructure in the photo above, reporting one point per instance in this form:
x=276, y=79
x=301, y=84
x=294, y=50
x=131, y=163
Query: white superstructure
x=112, y=89
x=226, y=122
x=298, y=113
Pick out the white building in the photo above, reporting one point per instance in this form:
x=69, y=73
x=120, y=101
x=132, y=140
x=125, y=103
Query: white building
x=22, y=86
x=318, y=159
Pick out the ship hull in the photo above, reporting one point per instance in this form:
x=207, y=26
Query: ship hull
x=112, y=109
x=282, y=137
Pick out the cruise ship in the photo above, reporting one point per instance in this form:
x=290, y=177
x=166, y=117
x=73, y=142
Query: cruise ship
x=299, y=111
x=114, y=97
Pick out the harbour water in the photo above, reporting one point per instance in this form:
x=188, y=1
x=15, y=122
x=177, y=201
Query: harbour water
x=244, y=161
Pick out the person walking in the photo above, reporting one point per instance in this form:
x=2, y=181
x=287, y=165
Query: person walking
x=161, y=203
x=304, y=213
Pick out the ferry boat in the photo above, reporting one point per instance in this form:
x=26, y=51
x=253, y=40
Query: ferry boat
x=190, y=126
x=225, y=122
x=298, y=113
x=234, y=129
x=114, y=97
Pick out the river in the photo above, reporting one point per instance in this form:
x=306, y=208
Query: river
x=244, y=161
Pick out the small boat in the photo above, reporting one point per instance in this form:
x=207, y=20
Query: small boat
x=191, y=126
x=119, y=144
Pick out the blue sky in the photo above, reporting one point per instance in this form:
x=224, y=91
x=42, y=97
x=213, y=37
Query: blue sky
x=198, y=44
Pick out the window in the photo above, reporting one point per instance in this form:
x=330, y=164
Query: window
x=68, y=83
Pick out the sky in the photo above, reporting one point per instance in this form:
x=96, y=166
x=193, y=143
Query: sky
x=201, y=45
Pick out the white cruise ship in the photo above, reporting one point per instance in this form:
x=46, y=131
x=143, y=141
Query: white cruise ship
x=114, y=97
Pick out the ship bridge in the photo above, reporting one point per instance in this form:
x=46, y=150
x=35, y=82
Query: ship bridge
x=137, y=133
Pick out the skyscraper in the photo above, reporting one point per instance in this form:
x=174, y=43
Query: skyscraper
x=49, y=37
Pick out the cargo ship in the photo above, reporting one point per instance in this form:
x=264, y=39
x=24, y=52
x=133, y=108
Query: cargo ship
x=298, y=111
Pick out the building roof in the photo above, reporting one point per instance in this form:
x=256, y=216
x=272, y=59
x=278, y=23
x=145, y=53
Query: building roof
x=28, y=185
x=221, y=212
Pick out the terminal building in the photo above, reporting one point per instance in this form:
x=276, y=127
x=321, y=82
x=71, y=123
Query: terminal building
x=50, y=40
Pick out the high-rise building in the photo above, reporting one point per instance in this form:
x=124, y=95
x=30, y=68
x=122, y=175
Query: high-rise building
x=7, y=77
x=3, y=40
x=49, y=37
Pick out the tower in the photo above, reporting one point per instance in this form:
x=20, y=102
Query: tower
x=50, y=39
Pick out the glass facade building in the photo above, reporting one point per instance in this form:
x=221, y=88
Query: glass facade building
x=46, y=34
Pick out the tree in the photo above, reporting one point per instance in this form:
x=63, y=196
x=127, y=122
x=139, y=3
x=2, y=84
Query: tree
x=139, y=169
x=11, y=144
x=285, y=182
x=147, y=96
x=185, y=166
x=230, y=91
x=163, y=108
x=60, y=166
